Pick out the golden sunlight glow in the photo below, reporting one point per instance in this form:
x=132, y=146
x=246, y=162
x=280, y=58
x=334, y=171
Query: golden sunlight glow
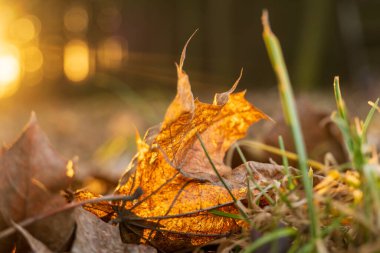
x=110, y=53
x=9, y=70
x=32, y=58
x=76, y=19
x=95, y=185
x=70, y=169
x=76, y=61
x=6, y=16
x=24, y=29
x=33, y=78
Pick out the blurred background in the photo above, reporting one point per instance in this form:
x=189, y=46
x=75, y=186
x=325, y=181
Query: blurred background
x=95, y=70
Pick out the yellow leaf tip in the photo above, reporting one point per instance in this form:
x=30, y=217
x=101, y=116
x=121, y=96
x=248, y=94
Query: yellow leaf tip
x=33, y=118
x=32, y=123
x=183, y=54
x=222, y=98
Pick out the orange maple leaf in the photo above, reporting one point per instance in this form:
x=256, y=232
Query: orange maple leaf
x=178, y=182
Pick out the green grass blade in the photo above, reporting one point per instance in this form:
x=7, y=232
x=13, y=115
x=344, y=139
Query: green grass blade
x=251, y=177
x=339, y=100
x=221, y=179
x=214, y=168
x=286, y=93
x=263, y=193
x=341, y=119
x=228, y=215
x=285, y=163
x=282, y=232
x=351, y=135
x=368, y=119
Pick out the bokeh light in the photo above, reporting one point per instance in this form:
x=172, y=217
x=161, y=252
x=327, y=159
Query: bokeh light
x=6, y=16
x=76, y=61
x=33, y=78
x=24, y=29
x=76, y=19
x=111, y=53
x=9, y=70
x=32, y=59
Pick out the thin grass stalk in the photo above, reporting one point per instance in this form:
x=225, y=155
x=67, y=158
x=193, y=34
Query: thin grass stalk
x=249, y=195
x=242, y=212
x=352, y=138
x=369, y=170
x=353, y=141
x=251, y=177
x=277, y=151
x=285, y=163
x=373, y=200
x=276, y=57
x=368, y=119
x=266, y=238
x=373, y=189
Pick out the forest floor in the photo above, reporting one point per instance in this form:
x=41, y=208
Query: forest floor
x=99, y=129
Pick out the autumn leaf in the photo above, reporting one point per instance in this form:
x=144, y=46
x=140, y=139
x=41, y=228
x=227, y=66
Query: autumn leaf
x=31, y=176
x=34, y=244
x=177, y=179
x=92, y=235
x=321, y=135
x=96, y=236
x=102, y=209
x=2, y=150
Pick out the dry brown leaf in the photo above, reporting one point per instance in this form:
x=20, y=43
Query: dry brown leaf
x=31, y=176
x=92, y=236
x=35, y=244
x=2, y=150
x=176, y=176
x=96, y=236
x=321, y=135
